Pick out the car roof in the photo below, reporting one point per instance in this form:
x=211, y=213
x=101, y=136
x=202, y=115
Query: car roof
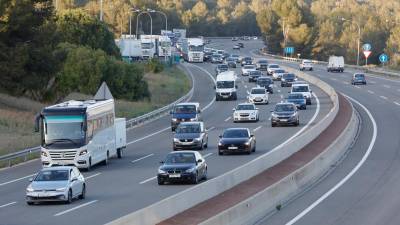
x=189, y=103
x=184, y=151
x=192, y=123
x=246, y=103
x=284, y=103
x=57, y=168
x=300, y=84
x=273, y=65
x=257, y=88
x=237, y=128
x=222, y=64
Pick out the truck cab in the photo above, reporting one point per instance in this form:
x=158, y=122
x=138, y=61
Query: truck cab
x=185, y=112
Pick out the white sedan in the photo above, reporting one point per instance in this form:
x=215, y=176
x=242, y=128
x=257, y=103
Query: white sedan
x=277, y=74
x=258, y=95
x=245, y=112
x=247, y=68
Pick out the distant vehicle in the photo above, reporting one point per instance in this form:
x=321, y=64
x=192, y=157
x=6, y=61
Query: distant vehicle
x=234, y=39
x=62, y=183
x=258, y=95
x=164, y=46
x=241, y=44
x=285, y=114
x=236, y=47
x=190, y=135
x=222, y=52
x=245, y=112
x=225, y=86
x=247, y=61
x=266, y=83
x=262, y=64
x=149, y=45
x=225, y=55
x=185, y=112
x=247, y=68
x=277, y=74
x=235, y=57
x=130, y=49
x=306, y=65
x=246, y=38
x=254, y=75
x=193, y=49
x=358, y=78
x=271, y=68
x=183, y=166
x=237, y=140
x=217, y=58
x=288, y=79
x=255, y=38
x=304, y=89
x=179, y=33
x=221, y=68
x=336, y=63
x=207, y=56
x=298, y=100
x=231, y=62
x=70, y=134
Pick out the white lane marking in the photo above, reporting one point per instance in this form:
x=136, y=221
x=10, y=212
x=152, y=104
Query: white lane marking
x=18, y=179
x=282, y=96
x=147, y=180
x=348, y=176
x=333, y=79
x=136, y=160
x=75, y=208
x=147, y=136
x=386, y=86
x=269, y=118
x=227, y=119
x=94, y=175
x=245, y=86
x=356, y=86
x=206, y=155
x=8, y=204
x=397, y=103
x=279, y=91
x=257, y=128
x=383, y=97
x=371, y=92
x=398, y=89
x=211, y=128
x=372, y=82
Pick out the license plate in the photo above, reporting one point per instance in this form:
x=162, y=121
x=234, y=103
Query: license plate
x=186, y=143
x=284, y=120
x=224, y=96
x=174, y=175
x=232, y=148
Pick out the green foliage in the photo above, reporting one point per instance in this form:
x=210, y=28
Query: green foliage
x=154, y=65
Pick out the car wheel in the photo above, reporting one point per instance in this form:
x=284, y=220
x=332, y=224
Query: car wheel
x=273, y=125
x=220, y=153
x=196, y=178
x=69, y=197
x=201, y=146
x=311, y=69
x=90, y=165
x=205, y=174
x=254, y=149
x=206, y=145
x=83, y=193
x=105, y=162
x=119, y=153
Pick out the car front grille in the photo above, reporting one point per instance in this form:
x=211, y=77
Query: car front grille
x=174, y=171
x=244, y=114
x=62, y=155
x=186, y=140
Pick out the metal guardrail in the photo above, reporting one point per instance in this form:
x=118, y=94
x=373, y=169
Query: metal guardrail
x=131, y=123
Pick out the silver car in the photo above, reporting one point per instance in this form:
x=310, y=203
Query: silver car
x=62, y=183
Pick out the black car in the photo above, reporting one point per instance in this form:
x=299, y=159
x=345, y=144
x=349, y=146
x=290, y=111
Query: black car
x=231, y=62
x=247, y=61
x=287, y=79
x=221, y=68
x=262, y=64
x=285, y=114
x=358, y=78
x=238, y=140
x=240, y=44
x=254, y=75
x=184, y=166
x=225, y=55
x=190, y=135
x=207, y=56
x=267, y=83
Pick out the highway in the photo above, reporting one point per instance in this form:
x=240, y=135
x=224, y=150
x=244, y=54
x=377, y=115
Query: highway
x=129, y=184
x=363, y=188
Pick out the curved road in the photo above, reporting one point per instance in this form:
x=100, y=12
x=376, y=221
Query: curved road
x=129, y=184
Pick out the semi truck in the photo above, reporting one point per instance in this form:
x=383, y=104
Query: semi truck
x=164, y=46
x=130, y=48
x=192, y=49
x=149, y=44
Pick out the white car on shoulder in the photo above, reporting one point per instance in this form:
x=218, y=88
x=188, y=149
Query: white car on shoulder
x=258, y=95
x=247, y=68
x=245, y=112
x=306, y=65
x=271, y=68
x=302, y=88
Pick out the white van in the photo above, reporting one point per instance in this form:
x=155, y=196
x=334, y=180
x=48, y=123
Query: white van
x=335, y=63
x=225, y=86
x=302, y=88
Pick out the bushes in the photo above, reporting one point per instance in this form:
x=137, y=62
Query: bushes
x=154, y=66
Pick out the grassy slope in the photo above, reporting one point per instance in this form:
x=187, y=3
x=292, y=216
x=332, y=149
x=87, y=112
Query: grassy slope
x=17, y=114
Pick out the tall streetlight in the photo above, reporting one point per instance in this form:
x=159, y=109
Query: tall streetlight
x=165, y=16
x=285, y=31
x=137, y=22
x=130, y=20
x=358, y=40
x=101, y=10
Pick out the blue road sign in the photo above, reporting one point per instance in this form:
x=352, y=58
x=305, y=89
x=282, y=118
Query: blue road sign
x=383, y=58
x=367, y=47
x=289, y=50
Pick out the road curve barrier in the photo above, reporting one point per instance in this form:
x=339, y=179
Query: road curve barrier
x=190, y=197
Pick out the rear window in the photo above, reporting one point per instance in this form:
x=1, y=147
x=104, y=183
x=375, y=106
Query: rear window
x=302, y=88
x=279, y=71
x=223, y=66
x=258, y=91
x=273, y=66
x=359, y=75
x=288, y=76
x=249, y=67
x=284, y=108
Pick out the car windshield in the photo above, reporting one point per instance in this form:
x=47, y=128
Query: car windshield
x=245, y=107
x=235, y=56
x=284, y=108
x=258, y=91
x=52, y=175
x=247, y=58
x=359, y=76
x=302, y=88
x=181, y=157
x=255, y=72
x=273, y=66
x=279, y=71
x=223, y=66
x=196, y=48
x=188, y=128
x=296, y=96
x=288, y=76
x=186, y=109
x=248, y=67
x=63, y=128
x=225, y=84
x=264, y=81
x=236, y=133
x=230, y=60
x=263, y=61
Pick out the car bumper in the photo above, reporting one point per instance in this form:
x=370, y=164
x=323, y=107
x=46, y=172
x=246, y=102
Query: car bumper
x=183, y=177
x=186, y=145
x=50, y=196
x=235, y=149
x=286, y=83
x=262, y=101
x=288, y=121
x=244, y=118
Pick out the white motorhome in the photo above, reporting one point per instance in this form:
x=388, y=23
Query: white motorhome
x=130, y=48
x=149, y=45
x=225, y=86
x=335, y=63
x=164, y=46
x=193, y=49
x=80, y=133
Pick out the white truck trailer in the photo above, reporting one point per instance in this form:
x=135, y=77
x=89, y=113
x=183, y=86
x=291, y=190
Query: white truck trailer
x=130, y=48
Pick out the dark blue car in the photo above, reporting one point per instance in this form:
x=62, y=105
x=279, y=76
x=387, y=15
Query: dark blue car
x=358, y=78
x=298, y=100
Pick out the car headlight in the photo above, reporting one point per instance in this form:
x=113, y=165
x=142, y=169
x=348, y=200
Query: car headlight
x=174, y=119
x=44, y=154
x=274, y=115
x=176, y=140
x=193, y=119
x=190, y=170
x=253, y=113
x=83, y=152
x=29, y=189
x=61, y=189
x=220, y=144
x=247, y=143
x=161, y=171
x=283, y=79
x=197, y=139
x=270, y=85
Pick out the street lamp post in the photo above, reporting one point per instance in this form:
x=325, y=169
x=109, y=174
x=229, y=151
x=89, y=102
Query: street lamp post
x=137, y=22
x=130, y=21
x=101, y=10
x=165, y=16
x=358, y=39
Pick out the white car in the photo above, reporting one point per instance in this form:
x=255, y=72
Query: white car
x=61, y=183
x=247, y=68
x=304, y=89
x=271, y=68
x=306, y=65
x=258, y=95
x=245, y=112
x=277, y=74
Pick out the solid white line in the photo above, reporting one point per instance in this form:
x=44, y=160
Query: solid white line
x=18, y=179
x=371, y=92
x=133, y=161
x=384, y=97
x=257, y=128
x=397, y=103
x=386, y=86
x=206, y=155
x=245, y=86
x=147, y=180
x=211, y=128
x=8, y=204
x=94, y=175
x=227, y=119
x=75, y=208
x=281, y=96
x=348, y=176
x=279, y=91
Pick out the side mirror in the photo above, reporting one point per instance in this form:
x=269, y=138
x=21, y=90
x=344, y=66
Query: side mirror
x=200, y=160
x=74, y=179
x=30, y=179
x=38, y=118
x=161, y=162
x=251, y=135
x=236, y=87
x=248, y=92
x=220, y=136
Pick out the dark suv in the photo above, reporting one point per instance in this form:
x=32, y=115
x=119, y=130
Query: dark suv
x=267, y=83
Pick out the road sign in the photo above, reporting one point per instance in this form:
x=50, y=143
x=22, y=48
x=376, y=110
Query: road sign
x=383, y=58
x=289, y=50
x=367, y=47
x=367, y=54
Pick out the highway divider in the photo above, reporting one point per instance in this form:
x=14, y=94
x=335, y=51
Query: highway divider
x=190, y=197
